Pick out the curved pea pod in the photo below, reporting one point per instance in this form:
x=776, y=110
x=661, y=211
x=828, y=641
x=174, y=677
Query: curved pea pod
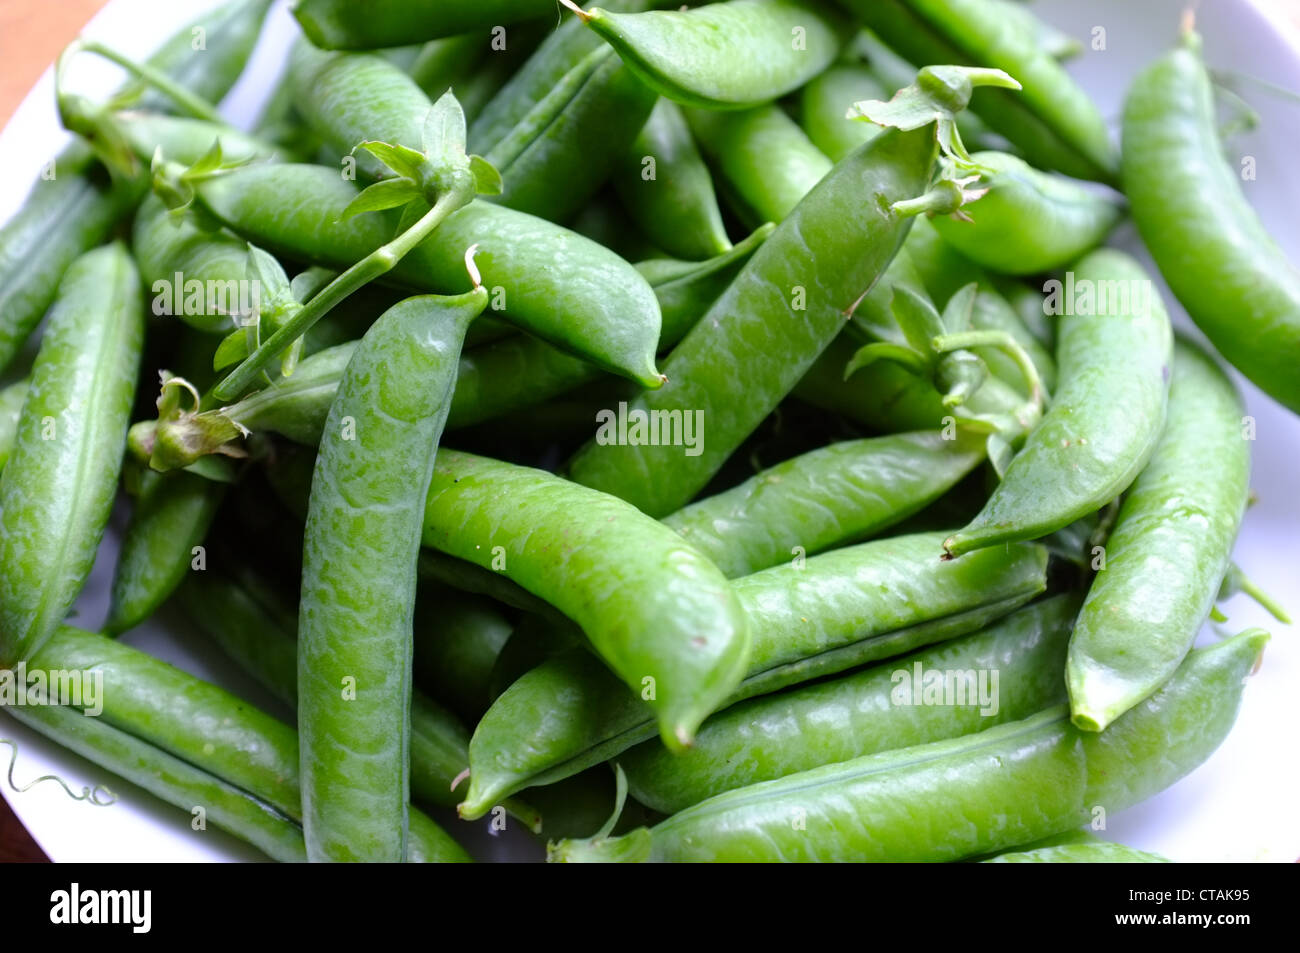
x=1169, y=550
x=766, y=161
x=458, y=639
x=1235, y=282
x=770, y=325
x=590, y=555
x=1114, y=360
x=57, y=489
x=76, y=209
x=839, y=494
x=841, y=609
x=168, y=524
x=348, y=25
x=1052, y=121
x=573, y=136
x=1009, y=671
x=723, y=55
x=349, y=98
x=200, y=276
x=373, y=468
x=521, y=370
x=554, y=283
x=186, y=140
x=11, y=406
x=824, y=104
x=1028, y=221
x=184, y=717
x=667, y=190
x=962, y=797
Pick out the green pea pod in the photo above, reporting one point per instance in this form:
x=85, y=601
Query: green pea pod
x=841, y=609
x=574, y=135
x=1052, y=122
x=780, y=313
x=666, y=188
x=376, y=458
x=446, y=63
x=170, y=779
x=458, y=639
x=686, y=647
x=1235, y=282
x=187, y=140
x=193, y=273
x=1114, y=360
x=962, y=797
x=58, y=486
x=766, y=161
x=1009, y=671
x=839, y=494
x=77, y=207
x=564, y=288
x=348, y=98
x=1029, y=221
x=193, y=720
x=1170, y=548
x=824, y=104
x=169, y=521
x=521, y=370
x=347, y=25
x=723, y=55
x=11, y=406
x=255, y=627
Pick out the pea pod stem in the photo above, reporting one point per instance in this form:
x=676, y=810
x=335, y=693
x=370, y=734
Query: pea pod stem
x=963, y=340
x=378, y=262
x=194, y=105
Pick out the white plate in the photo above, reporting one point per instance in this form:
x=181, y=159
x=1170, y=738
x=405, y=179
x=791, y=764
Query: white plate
x=1238, y=806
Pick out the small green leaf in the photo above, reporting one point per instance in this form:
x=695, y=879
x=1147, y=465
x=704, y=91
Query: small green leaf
x=918, y=319
x=307, y=284
x=444, y=128
x=387, y=194
x=210, y=162
x=957, y=312
x=234, y=347
x=402, y=160
x=487, y=180
x=868, y=354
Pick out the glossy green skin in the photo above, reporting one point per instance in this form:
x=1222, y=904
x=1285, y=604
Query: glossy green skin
x=858, y=714
x=557, y=157
x=56, y=493
x=355, y=612
x=170, y=779
x=1169, y=550
x=1105, y=419
x=1029, y=221
x=1051, y=120
x=560, y=286
x=164, y=247
x=1100, y=852
x=348, y=98
x=965, y=796
x=591, y=555
x=348, y=25
x=258, y=630
x=205, y=726
x=169, y=520
x=842, y=609
x=522, y=371
x=673, y=202
x=502, y=376
x=751, y=348
x=839, y=494
x=1230, y=275
x=724, y=55
x=187, y=140
x=11, y=406
x=77, y=210
x=824, y=102
x=766, y=161
x=443, y=64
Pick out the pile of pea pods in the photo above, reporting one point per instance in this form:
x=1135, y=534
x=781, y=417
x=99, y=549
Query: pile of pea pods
x=687, y=433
